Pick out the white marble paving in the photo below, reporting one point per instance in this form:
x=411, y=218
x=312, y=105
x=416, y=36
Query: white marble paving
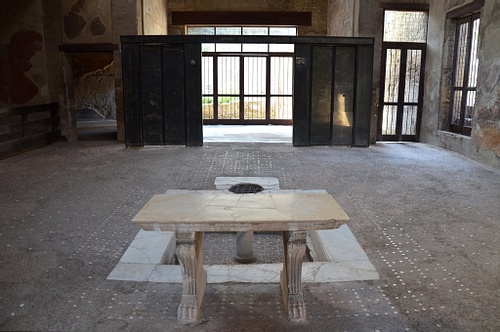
x=147, y=248
x=247, y=134
x=349, y=263
x=339, y=245
x=338, y=255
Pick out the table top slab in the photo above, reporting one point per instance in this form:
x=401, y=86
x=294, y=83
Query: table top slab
x=215, y=211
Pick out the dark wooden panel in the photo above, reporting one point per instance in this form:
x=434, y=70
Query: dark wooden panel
x=343, y=96
x=173, y=94
x=465, y=10
x=321, y=108
x=192, y=69
x=302, y=95
x=152, y=96
x=8, y=112
x=88, y=47
x=362, y=111
x=404, y=6
x=131, y=94
x=26, y=127
x=241, y=18
x=311, y=40
x=27, y=143
x=303, y=87
x=421, y=94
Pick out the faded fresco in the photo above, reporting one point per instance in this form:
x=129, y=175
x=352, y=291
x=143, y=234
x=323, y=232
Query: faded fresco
x=22, y=58
x=86, y=21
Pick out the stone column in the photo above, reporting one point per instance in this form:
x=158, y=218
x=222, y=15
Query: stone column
x=294, y=248
x=189, y=251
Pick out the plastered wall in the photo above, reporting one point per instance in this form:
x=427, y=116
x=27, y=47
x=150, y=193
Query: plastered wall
x=86, y=21
x=484, y=142
x=23, y=76
x=154, y=20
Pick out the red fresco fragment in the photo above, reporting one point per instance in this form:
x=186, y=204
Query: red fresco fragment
x=4, y=74
x=22, y=47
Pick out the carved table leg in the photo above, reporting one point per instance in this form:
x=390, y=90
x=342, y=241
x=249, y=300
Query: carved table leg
x=294, y=248
x=194, y=278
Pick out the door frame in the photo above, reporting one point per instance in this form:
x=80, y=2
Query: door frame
x=404, y=47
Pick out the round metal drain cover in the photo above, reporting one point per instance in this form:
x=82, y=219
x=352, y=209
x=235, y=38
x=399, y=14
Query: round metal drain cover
x=246, y=188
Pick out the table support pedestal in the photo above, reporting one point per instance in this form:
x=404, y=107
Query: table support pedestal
x=294, y=248
x=244, y=247
x=194, y=277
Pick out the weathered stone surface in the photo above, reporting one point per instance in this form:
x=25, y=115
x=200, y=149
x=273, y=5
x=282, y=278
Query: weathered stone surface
x=73, y=25
x=486, y=131
x=215, y=211
x=342, y=18
x=96, y=91
x=97, y=27
x=154, y=17
x=86, y=21
x=23, y=46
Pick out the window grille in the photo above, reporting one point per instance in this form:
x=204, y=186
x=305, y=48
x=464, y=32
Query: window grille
x=403, y=58
x=405, y=26
x=246, y=82
x=465, y=66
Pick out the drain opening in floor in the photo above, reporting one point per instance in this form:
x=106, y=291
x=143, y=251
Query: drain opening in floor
x=246, y=188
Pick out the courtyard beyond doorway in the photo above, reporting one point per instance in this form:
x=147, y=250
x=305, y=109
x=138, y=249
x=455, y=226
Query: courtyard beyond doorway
x=247, y=134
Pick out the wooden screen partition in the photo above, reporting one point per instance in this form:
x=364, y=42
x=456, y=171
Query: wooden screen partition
x=26, y=127
x=163, y=101
x=162, y=92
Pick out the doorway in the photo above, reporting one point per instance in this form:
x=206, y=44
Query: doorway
x=402, y=73
x=401, y=96
x=247, y=84
x=162, y=78
x=94, y=95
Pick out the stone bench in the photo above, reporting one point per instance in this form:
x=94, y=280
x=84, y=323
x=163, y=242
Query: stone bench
x=294, y=213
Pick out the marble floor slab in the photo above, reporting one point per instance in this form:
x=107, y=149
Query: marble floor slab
x=247, y=134
x=337, y=254
x=348, y=263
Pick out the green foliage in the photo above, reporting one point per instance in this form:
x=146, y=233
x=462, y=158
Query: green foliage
x=221, y=100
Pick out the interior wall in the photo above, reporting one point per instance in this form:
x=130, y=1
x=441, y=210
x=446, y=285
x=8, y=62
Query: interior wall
x=23, y=74
x=31, y=66
x=371, y=24
x=318, y=8
x=484, y=142
x=368, y=21
x=32, y=70
x=125, y=16
x=486, y=130
x=343, y=18
x=154, y=20
x=86, y=22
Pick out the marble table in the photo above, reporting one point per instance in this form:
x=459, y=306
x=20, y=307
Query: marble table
x=293, y=212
